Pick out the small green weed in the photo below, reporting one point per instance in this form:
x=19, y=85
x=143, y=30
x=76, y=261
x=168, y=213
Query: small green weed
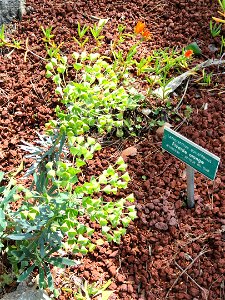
x=87, y=291
x=5, y=43
x=215, y=29
x=97, y=29
x=82, y=40
x=222, y=4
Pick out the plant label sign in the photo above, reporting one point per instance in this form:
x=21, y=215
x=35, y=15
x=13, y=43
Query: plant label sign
x=192, y=154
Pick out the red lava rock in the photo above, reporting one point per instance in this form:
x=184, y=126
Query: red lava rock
x=150, y=206
x=130, y=151
x=13, y=152
x=120, y=278
x=131, y=259
x=193, y=291
x=114, y=254
x=222, y=139
x=183, y=296
x=4, y=113
x=173, y=221
x=130, y=289
x=86, y=274
x=161, y=226
x=113, y=270
x=113, y=286
x=178, y=204
x=123, y=287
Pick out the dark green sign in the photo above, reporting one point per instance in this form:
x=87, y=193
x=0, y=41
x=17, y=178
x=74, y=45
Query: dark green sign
x=190, y=153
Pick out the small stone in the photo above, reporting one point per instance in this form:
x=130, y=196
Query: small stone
x=121, y=278
x=222, y=139
x=4, y=113
x=114, y=254
x=173, y=221
x=86, y=274
x=130, y=288
x=161, y=226
x=130, y=151
x=193, y=291
x=113, y=286
x=112, y=270
x=13, y=152
x=123, y=288
x=160, y=130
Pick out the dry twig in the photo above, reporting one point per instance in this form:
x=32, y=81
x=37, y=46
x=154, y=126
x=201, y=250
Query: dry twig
x=184, y=271
x=201, y=288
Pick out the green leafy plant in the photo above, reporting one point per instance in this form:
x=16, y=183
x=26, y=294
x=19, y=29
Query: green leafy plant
x=160, y=66
x=194, y=47
x=47, y=149
x=222, y=44
x=87, y=291
x=6, y=279
x=97, y=29
x=206, y=77
x=101, y=95
x=222, y=4
x=215, y=29
x=81, y=33
x=124, y=62
x=4, y=41
x=98, y=98
x=51, y=212
x=188, y=111
x=48, y=36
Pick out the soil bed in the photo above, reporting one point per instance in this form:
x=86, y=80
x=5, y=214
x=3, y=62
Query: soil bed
x=169, y=251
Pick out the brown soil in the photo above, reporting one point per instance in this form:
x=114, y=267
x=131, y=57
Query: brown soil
x=167, y=238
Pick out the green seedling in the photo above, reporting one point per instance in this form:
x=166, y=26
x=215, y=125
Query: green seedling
x=54, y=50
x=2, y=36
x=87, y=291
x=121, y=37
x=122, y=63
x=222, y=4
x=222, y=45
x=5, y=43
x=48, y=36
x=215, y=29
x=81, y=33
x=97, y=29
x=188, y=111
x=206, y=78
x=144, y=65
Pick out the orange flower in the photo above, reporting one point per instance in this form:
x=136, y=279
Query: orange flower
x=188, y=53
x=139, y=28
x=146, y=34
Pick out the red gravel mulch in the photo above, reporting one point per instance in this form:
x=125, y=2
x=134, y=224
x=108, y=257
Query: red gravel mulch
x=169, y=252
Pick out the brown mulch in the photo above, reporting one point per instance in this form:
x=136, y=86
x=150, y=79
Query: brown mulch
x=167, y=238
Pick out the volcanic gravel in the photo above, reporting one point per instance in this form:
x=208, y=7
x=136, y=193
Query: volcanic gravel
x=169, y=251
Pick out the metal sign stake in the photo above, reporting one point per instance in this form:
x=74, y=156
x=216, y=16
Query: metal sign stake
x=190, y=186
x=194, y=156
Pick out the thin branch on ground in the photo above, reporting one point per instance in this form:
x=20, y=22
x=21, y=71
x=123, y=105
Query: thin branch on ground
x=201, y=288
x=182, y=98
x=184, y=271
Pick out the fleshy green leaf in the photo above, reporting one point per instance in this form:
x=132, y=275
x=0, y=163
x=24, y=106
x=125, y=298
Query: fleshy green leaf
x=194, y=47
x=26, y=273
